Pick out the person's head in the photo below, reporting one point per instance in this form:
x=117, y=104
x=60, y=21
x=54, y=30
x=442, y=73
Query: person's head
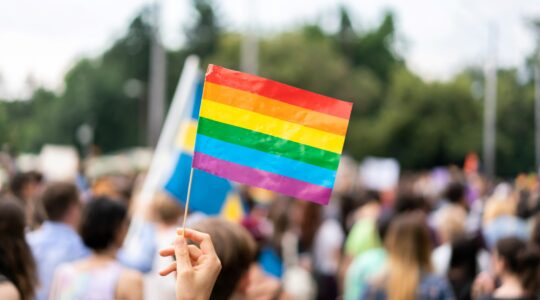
x=409, y=247
x=114, y=187
x=514, y=257
x=166, y=210
x=498, y=207
x=410, y=201
x=357, y=205
x=61, y=203
x=104, y=224
x=16, y=260
x=26, y=185
x=455, y=193
x=236, y=249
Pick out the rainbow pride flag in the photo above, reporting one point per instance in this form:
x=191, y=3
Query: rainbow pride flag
x=267, y=134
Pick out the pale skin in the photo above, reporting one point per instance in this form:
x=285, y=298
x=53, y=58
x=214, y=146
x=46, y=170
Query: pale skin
x=8, y=291
x=130, y=282
x=197, y=268
x=510, y=284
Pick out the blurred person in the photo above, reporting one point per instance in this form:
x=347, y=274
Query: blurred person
x=18, y=277
x=99, y=276
x=410, y=201
x=261, y=229
x=166, y=214
x=27, y=187
x=528, y=204
x=140, y=250
x=517, y=266
x=326, y=250
x=409, y=271
x=358, y=206
x=535, y=232
x=197, y=267
x=116, y=187
x=319, y=245
x=449, y=225
x=454, y=196
x=57, y=240
x=240, y=276
x=463, y=265
x=500, y=221
x=368, y=264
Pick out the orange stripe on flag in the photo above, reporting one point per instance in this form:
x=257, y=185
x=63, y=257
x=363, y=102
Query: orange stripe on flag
x=273, y=108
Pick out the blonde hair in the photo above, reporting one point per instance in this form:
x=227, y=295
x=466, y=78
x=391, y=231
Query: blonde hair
x=451, y=222
x=496, y=207
x=409, y=246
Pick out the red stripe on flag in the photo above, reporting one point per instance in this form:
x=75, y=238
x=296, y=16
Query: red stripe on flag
x=278, y=91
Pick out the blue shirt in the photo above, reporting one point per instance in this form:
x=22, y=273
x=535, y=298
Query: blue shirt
x=431, y=287
x=53, y=244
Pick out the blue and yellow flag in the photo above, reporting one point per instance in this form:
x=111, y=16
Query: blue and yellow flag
x=210, y=194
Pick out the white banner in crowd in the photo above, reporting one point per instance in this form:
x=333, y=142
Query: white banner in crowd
x=379, y=173
x=59, y=163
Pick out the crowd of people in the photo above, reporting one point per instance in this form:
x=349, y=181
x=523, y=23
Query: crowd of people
x=440, y=234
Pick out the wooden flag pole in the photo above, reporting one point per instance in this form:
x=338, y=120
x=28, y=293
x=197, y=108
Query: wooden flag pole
x=186, y=208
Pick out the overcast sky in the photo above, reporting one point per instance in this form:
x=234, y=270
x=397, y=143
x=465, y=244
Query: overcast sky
x=41, y=39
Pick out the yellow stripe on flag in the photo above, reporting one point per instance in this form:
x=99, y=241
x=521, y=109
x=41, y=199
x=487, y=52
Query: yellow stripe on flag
x=271, y=126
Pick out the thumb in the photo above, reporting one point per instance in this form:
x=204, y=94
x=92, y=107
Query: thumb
x=181, y=252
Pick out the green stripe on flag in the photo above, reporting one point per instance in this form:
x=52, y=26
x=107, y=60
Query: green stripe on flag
x=268, y=143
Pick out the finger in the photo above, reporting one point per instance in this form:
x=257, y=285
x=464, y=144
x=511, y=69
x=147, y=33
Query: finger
x=166, y=251
x=203, y=239
x=194, y=252
x=168, y=270
x=181, y=252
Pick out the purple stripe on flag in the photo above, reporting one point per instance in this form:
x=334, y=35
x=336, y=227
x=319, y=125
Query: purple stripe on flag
x=266, y=180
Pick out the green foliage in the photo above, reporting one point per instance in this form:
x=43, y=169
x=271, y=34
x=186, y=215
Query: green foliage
x=202, y=38
x=396, y=113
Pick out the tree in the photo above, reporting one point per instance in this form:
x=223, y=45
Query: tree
x=373, y=49
x=202, y=38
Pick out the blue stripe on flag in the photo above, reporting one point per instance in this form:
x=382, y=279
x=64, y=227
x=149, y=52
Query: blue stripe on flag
x=264, y=161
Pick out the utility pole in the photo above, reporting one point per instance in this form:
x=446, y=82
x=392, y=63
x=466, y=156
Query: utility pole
x=490, y=105
x=536, y=66
x=249, y=53
x=157, y=81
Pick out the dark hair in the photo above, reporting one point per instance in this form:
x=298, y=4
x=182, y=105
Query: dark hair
x=16, y=260
x=383, y=223
x=535, y=237
x=455, y=192
x=408, y=201
x=521, y=260
x=236, y=250
x=20, y=180
x=463, y=267
x=58, y=198
x=102, y=219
